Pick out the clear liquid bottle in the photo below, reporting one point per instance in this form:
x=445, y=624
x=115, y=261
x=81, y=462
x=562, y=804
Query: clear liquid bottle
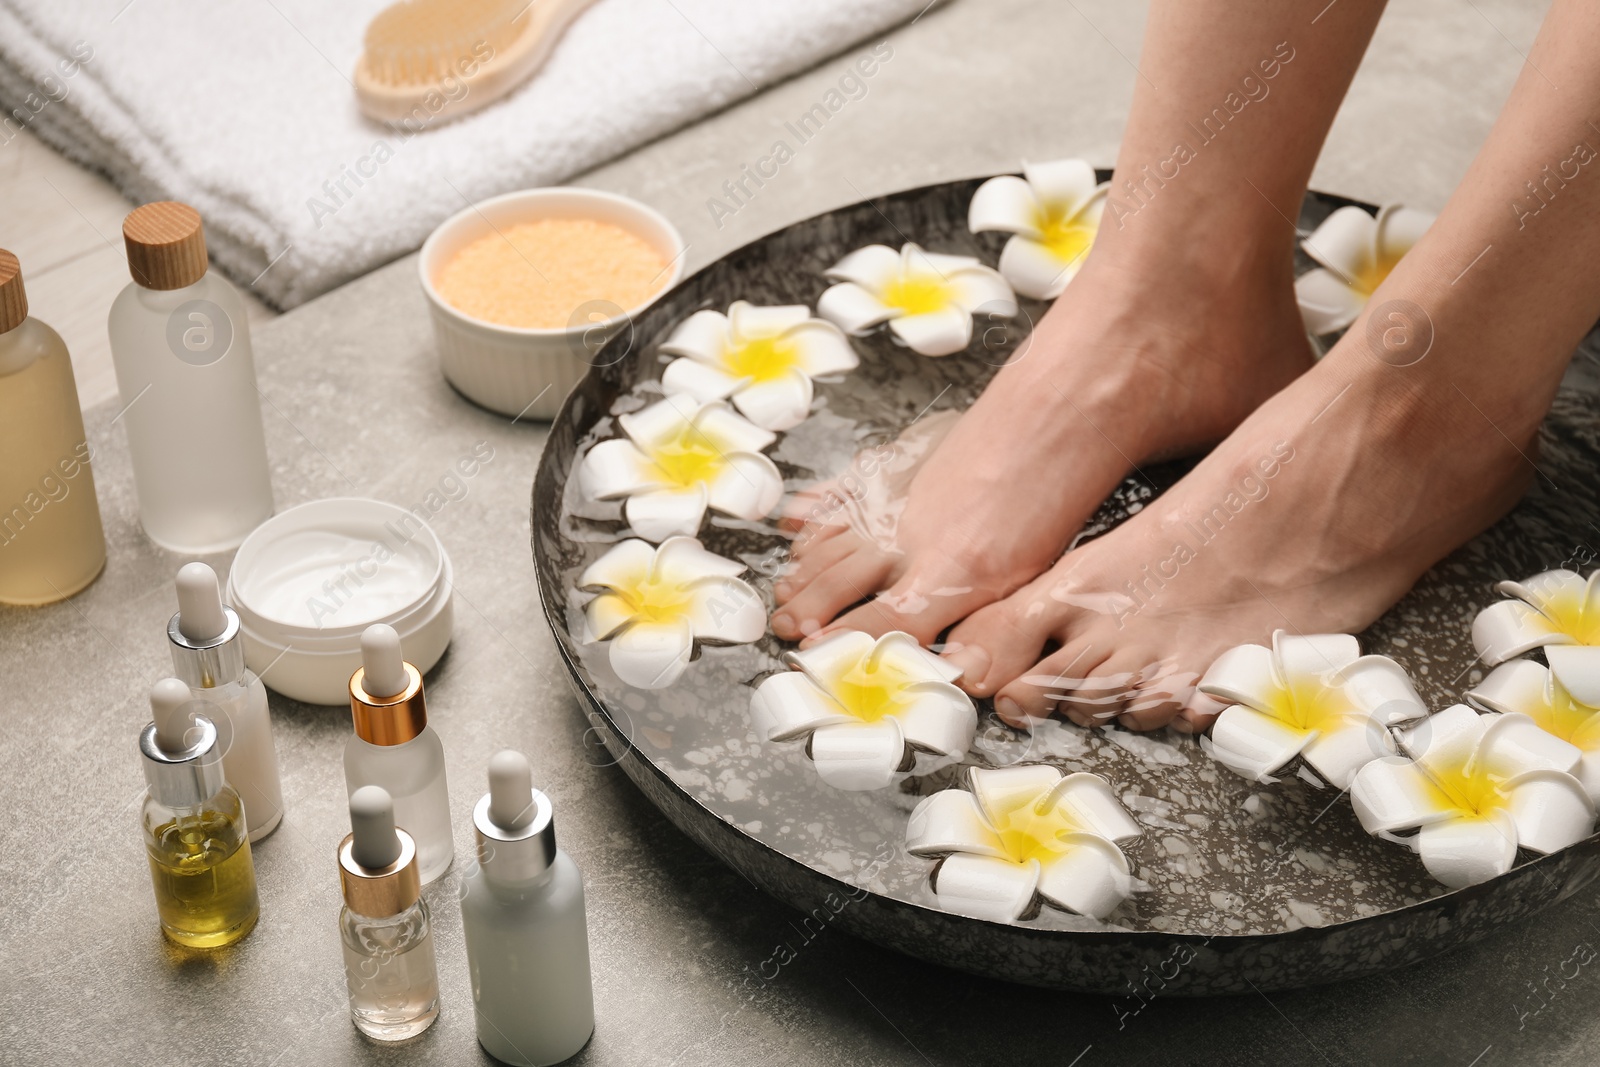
x=208, y=655
x=394, y=747
x=526, y=934
x=181, y=345
x=389, y=967
x=194, y=827
x=51, y=542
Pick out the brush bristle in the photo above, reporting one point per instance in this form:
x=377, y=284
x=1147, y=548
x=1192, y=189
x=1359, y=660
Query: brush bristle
x=420, y=42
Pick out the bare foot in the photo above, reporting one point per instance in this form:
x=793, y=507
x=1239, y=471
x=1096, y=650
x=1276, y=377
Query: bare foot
x=1315, y=516
x=1145, y=355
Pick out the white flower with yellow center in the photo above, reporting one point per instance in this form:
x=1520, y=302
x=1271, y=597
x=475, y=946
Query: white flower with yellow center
x=1547, y=695
x=1053, y=214
x=654, y=604
x=1025, y=833
x=1557, y=611
x=1475, y=788
x=679, y=458
x=868, y=708
x=1356, y=252
x=927, y=298
x=761, y=358
x=1312, y=698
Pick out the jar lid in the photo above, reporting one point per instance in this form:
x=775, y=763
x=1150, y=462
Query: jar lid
x=307, y=582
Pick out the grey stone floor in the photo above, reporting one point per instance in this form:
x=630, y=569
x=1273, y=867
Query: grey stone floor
x=355, y=405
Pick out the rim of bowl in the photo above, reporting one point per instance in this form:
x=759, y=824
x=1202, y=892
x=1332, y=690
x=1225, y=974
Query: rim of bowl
x=533, y=196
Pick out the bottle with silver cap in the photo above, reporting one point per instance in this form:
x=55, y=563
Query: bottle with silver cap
x=526, y=934
x=194, y=828
x=208, y=655
x=394, y=747
x=389, y=966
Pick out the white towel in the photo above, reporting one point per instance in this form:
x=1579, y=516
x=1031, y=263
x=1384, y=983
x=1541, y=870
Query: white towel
x=244, y=109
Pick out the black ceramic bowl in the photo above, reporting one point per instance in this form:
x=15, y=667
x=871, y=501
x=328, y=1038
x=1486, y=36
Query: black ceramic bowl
x=1241, y=886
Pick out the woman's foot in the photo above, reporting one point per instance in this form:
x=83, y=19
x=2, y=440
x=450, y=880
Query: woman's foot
x=1315, y=516
x=1147, y=354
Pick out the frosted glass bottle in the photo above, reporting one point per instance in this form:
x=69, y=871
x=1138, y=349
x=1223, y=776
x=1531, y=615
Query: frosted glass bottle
x=208, y=656
x=181, y=345
x=51, y=542
x=526, y=934
x=394, y=747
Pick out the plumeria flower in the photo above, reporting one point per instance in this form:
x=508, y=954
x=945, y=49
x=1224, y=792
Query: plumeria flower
x=1475, y=788
x=1311, y=698
x=1356, y=252
x=761, y=358
x=679, y=458
x=654, y=604
x=1546, y=695
x=927, y=298
x=868, y=708
x=1557, y=611
x=1053, y=214
x=1025, y=833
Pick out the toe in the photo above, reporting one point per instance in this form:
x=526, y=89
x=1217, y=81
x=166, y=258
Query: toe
x=997, y=643
x=816, y=559
x=1160, y=689
x=1198, y=713
x=821, y=507
x=853, y=577
x=922, y=602
x=1066, y=680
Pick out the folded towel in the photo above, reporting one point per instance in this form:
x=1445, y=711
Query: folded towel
x=244, y=109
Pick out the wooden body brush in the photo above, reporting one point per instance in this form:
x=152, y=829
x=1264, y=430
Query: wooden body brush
x=428, y=61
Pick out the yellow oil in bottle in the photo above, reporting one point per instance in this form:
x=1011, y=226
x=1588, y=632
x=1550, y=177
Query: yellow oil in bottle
x=204, y=879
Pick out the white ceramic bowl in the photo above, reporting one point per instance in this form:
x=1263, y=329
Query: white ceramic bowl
x=525, y=372
x=309, y=580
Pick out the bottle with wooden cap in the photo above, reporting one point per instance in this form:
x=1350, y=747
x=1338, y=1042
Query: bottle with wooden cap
x=181, y=345
x=527, y=938
x=394, y=747
x=51, y=541
x=389, y=967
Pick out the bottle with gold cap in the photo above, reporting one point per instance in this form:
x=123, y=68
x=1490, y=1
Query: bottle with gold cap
x=194, y=826
x=394, y=747
x=389, y=966
x=181, y=345
x=51, y=542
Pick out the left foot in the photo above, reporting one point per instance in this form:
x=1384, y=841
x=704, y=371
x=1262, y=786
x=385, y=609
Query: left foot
x=1315, y=516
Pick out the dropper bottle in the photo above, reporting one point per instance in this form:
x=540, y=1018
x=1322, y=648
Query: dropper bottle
x=208, y=655
x=394, y=747
x=527, y=938
x=389, y=966
x=194, y=828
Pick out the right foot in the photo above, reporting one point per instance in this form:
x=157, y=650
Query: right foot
x=1146, y=355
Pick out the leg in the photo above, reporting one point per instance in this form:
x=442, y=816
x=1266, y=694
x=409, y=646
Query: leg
x=1377, y=470
x=1181, y=322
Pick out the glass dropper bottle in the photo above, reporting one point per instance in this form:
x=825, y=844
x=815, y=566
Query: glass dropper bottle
x=194, y=827
x=389, y=967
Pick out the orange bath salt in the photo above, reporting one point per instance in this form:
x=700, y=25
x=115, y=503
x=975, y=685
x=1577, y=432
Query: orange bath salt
x=539, y=275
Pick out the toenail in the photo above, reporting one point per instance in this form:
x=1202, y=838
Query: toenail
x=809, y=627
x=1010, y=711
x=783, y=590
x=782, y=621
x=974, y=663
